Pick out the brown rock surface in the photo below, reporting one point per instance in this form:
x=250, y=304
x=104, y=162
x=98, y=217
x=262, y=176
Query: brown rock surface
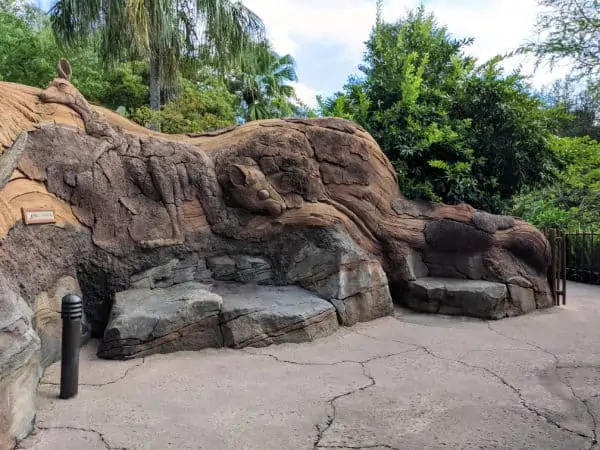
x=146, y=197
x=19, y=367
x=313, y=203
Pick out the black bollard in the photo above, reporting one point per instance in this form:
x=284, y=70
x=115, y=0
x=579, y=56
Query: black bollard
x=71, y=313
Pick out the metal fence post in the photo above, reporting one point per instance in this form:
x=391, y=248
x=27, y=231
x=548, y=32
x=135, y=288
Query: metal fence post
x=71, y=313
x=553, y=267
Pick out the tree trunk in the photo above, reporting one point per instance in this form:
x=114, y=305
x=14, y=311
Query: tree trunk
x=155, y=85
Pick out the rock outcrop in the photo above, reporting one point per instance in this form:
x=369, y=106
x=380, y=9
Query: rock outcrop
x=20, y=368
x=147, y=224
x=451, y=296
x=193, y=316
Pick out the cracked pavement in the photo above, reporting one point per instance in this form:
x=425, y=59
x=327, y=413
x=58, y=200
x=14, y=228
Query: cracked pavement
x=412, y=381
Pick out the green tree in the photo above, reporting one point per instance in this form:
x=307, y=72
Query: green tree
x=573, y=202
x=29, y=52
x=27, y=55
x=352, y=103
x=163, y=32
x=580, y=107
x=32, y=15
x=569, y=30
x=412, y=68
x=201, y=105
x=454, y=131
x=508, y=131
x=262, y=84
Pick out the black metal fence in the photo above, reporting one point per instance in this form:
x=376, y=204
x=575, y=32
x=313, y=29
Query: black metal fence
x=583, y=257
x=557, y=272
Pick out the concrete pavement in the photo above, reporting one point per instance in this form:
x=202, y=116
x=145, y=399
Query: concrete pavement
x=412, y=381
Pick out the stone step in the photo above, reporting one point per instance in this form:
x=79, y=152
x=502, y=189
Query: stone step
x=193, y=316
x=476, y=298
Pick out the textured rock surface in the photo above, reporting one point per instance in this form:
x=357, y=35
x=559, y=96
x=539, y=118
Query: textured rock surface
x=307, y=202
x=262, y=315
x=312, y=203
x=450, y=296
x=193, y=316
x=47, y=321
x=162, y=320
x=20, y=368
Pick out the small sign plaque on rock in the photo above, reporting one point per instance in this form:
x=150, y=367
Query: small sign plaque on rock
x=37, y=216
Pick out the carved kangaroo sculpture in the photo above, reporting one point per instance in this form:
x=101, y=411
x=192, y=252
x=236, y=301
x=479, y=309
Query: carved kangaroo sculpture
x=63, y=92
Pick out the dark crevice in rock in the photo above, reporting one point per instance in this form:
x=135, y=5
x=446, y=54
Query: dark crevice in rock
x=257, y=340
x=218, y=132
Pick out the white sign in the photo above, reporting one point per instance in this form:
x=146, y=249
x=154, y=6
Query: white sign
x=36, y=216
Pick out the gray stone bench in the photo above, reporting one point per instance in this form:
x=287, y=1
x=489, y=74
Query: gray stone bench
x=193, y=316
x=475, y=298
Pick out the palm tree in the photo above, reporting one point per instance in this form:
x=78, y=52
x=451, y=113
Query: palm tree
x=164, y=32
x=262, y=83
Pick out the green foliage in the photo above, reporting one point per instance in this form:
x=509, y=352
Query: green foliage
x=508, y=132
x=573, y=202
x=198, y=107
x=126, y=85
x=262, y=84
x=29, y=53
x=162, y=32
x=352, y=104
x=579, y=107
x=26, y=55
x=569, y=30
x=455, y=132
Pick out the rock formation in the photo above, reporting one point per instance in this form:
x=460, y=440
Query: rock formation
x=268, y=232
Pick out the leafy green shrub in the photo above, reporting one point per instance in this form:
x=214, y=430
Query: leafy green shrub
x=454, y=131
x=194, y=110
x=573, y=202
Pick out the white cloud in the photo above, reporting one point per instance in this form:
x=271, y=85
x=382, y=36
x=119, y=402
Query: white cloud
x=306, y=94
x=498, y=26
x=318, y=22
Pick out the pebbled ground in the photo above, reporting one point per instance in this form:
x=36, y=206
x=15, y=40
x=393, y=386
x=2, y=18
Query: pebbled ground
x=411, y=381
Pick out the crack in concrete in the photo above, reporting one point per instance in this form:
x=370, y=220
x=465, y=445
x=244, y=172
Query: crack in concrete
x=343, y=361
x=584, y=402
x=116, y=380
x=331, y=402
x=557, y=366
x=594, y=422
x=502, y=380
x=491, y=350
x=364, y=447
x=85, y=430
x=321, y=430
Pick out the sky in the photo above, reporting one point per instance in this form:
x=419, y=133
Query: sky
x=326, y=37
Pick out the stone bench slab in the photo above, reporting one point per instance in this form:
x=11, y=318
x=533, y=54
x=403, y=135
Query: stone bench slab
x=475, y=298
x=193, y=316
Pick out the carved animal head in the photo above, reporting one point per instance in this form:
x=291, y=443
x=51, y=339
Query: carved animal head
x=250, y=189
x=61, y=90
